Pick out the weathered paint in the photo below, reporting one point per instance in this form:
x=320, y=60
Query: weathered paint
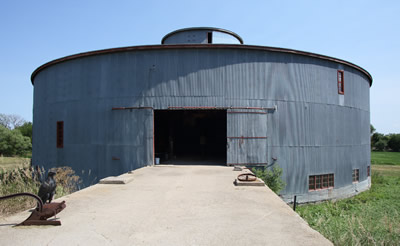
x=313, y=131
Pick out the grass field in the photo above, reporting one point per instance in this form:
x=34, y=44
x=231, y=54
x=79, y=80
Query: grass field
x=11, y=163
x=385, y=158
x=370, y=218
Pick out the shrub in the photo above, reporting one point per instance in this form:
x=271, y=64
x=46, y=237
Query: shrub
x=26, y=130
x=66, y=179
x=394, y=142
x=12, y=142
x=17, y=181
x=29, y=180
x=272, y=178
x=379, y=141
x=380, y=145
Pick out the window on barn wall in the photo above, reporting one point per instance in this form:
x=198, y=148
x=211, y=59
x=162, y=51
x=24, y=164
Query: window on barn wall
x=356, y=175
x=311, y=182
x=369, y=171
x=318, y=184
x=60, y=134
x=323, y=181
x=209, y=37
x=340, y=81
x=331, y=180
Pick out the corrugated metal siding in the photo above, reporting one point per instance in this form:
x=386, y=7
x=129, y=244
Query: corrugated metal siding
x=314, y=130
x=188, y=37
x=252, y=126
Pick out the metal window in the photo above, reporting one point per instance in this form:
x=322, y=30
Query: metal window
x=311, y=182
x=331, y=180
x=318, y=183
x=340, y=81
x=356, y=175
x=323, y=181
x=60, y=134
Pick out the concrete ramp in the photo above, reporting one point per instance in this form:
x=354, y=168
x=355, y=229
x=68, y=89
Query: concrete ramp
x=170, y=205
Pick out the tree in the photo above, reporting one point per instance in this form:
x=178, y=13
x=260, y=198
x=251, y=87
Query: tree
x=11, y=121
x=372, y=129
x=12, y=142
x=394, y=142
x=26, y=129
x=378, y=138
x=380, y=145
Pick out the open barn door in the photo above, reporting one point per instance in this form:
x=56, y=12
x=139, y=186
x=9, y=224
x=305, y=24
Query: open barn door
x=190, y=136
x=246, y=137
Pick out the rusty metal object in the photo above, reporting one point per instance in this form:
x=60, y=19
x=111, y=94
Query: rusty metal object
x=42, y=212
x=248, y=177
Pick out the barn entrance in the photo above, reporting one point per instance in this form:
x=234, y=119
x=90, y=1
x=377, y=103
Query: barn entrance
x=190, y=136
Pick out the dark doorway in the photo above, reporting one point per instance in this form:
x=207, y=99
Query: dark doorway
x=190, y=136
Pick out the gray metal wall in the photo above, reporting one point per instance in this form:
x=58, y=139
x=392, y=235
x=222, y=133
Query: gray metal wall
x=200, y=37
x=247, y=142
x=314, y=131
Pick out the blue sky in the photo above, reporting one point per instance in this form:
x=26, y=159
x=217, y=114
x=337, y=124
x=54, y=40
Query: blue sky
x=366, y=33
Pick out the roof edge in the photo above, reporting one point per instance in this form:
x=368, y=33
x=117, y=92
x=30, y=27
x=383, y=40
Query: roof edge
x=198, y=46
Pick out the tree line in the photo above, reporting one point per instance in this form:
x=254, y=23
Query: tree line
x=15, y=136
x=384, y=142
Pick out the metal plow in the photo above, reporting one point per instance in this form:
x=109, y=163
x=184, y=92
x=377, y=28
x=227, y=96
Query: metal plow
x=248, y=177
x=42, y=212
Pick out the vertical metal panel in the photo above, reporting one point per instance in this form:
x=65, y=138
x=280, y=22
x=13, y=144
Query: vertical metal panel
x=252, y=148
x=129, y=139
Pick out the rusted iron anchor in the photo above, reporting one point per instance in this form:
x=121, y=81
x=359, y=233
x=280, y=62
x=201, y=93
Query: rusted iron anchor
x=247, y=177
x=42, y=212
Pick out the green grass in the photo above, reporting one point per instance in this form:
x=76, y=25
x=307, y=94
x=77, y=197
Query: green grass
x=11, y=163
x=385, y=158
x=370, y=218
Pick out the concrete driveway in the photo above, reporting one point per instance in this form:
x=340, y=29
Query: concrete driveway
x=169, y=205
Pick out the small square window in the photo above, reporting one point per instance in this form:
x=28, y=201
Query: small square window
x=340, y=81
x=356, y=175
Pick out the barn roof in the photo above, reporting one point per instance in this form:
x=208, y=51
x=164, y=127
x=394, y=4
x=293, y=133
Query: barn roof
x=200, y=46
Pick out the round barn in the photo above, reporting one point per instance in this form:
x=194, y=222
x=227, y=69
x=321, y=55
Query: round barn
x=204, y=97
